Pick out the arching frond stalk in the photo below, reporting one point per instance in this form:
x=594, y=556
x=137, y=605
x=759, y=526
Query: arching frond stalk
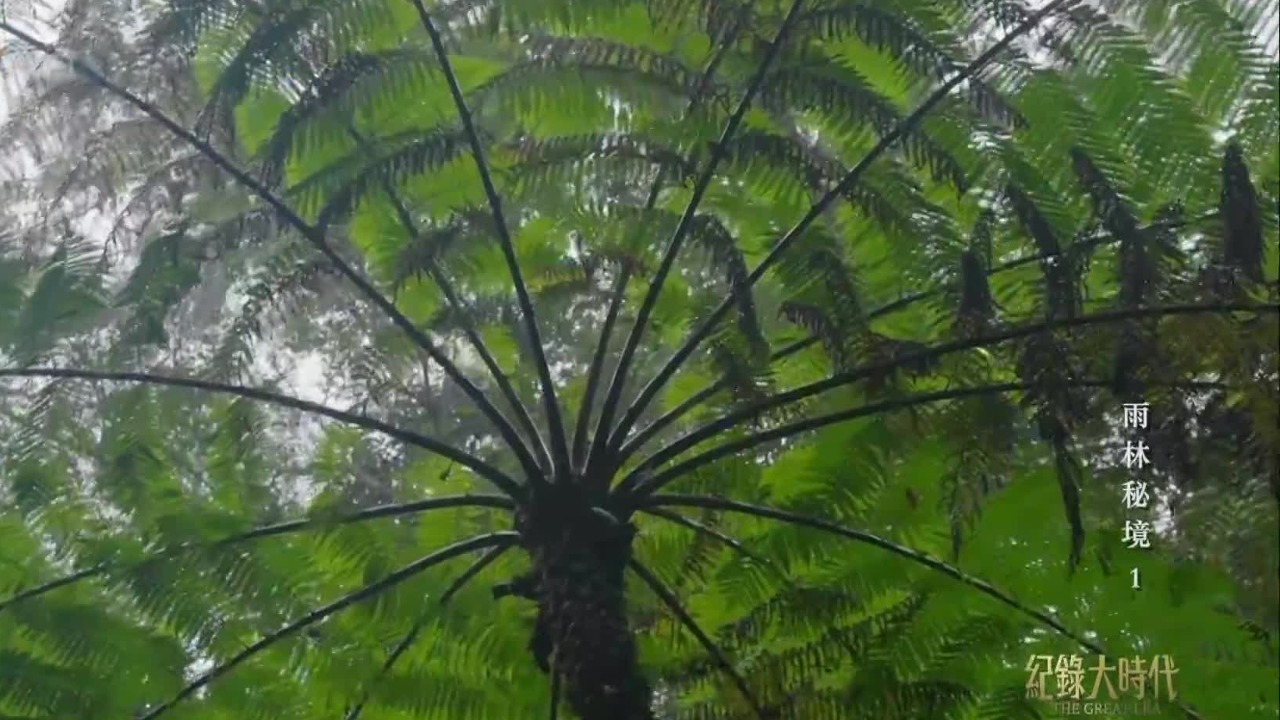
x=704, y=330
x=396, y=653
x=862, y=372
x=619, y=291
x=1101, y=238
x=731, y=542
x=307, y=230
x=283, y=528
x=410, y=637
x=473, y=570
x=649, y=431
x=45, y=588
x=616, y=297
x=369, y=591
x=646, y=434
x=762, y=511
x=672, y=602
x=646, y=484
x=550, y=405
x=500, y=479
x=468, y=330
x=640, y=482
x=614, y=395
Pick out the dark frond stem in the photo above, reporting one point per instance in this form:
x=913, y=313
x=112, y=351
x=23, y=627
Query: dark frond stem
x=647, y=433
x=601, y=353
x=1102, y=238
x=696, y=399
x=283, y=528
x=853, y=375
x=640, y=483
x=52, y=585
x=477, y=343
x=368, y=591
x=717, y=655
x=907, y=124
x=550, y=405
x=618, y=294
x=308, y=231
x=473, y=570
x=762, y=511
x=500, y=479
x=410, y=637
x=396, y=653
x=614, y=395
x=711, y=532
x=656, y=482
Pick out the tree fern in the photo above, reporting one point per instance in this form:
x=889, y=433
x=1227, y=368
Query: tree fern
x=705, y=360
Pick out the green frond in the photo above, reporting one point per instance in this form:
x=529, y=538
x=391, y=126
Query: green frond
x=866, y=356
x=335, y=191
x=726, y=257
x=847, y=97
x=1061, y=284
x=65, y=292
x=897, y=36
x=556, y=75
x=342, y=92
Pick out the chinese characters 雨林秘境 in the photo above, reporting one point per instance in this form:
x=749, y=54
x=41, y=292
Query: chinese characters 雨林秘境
x=1137, y=532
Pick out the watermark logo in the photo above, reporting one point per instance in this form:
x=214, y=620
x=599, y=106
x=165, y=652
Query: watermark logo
x=1127, y=687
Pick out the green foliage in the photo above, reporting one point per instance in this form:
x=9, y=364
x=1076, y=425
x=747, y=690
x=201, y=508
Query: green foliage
x=931, y=367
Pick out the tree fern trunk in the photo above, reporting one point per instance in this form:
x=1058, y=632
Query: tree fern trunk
x=582, y=631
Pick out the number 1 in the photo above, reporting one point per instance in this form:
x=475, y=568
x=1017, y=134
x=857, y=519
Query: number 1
x=1136, y=585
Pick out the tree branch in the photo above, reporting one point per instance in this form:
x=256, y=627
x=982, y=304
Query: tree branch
x=907, y=124
x=401, y=647
x=618, y=294
x=859, y=373
x=283, y=528
x=308, y=231
x=371, y=590
x=717, y=655
x=870, y=539
x=500, y=479
x=551, y=406
x=905, y=301
x=477, y=343
x=614, y=395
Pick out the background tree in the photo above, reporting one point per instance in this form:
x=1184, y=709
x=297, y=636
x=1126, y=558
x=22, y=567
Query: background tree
x=865, y=283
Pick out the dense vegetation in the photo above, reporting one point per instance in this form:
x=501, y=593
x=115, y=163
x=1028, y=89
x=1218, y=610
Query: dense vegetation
x=493, y=359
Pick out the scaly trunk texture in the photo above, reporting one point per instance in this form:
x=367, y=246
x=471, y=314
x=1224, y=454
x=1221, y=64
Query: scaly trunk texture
x=579, y=558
